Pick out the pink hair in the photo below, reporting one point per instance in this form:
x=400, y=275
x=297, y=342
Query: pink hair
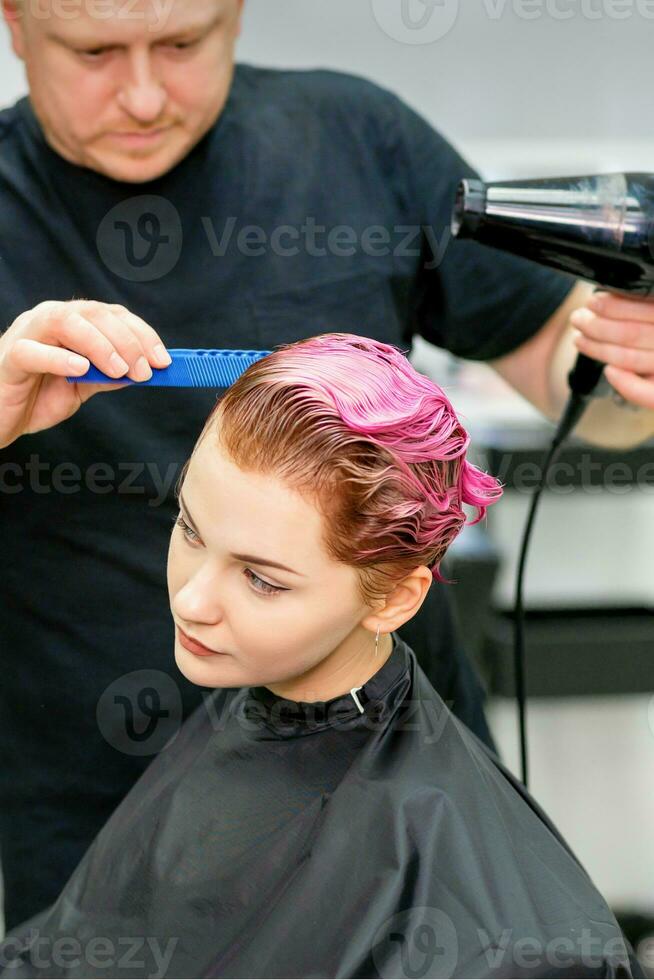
x=350, y=423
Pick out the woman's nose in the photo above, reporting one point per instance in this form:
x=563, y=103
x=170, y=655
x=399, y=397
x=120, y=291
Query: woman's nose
x=198, y=601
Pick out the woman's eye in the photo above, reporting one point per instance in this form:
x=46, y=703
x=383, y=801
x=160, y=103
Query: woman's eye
x=259, y=585
x=188, y=531
x=268, y=589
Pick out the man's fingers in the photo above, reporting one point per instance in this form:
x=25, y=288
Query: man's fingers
x=113, y=339
x=126, y=340
x=25, y=358
x=628, y=333
x=621, y=308
x=150, y=339
x=108, y=343
x=627, y=358
x=637, y=390
x=80, y=334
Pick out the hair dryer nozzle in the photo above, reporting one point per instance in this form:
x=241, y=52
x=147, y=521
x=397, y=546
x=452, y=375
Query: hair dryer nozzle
x=598, y=227
x=469, y=208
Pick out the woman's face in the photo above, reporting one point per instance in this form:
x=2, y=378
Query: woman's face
x=297, y=631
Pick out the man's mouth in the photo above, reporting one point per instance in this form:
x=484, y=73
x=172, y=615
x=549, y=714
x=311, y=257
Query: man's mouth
x=139, y=139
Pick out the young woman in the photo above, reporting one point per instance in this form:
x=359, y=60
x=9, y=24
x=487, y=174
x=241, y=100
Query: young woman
x=322, y=814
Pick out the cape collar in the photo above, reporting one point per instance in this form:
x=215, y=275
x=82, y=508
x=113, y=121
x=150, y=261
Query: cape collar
x=287, y=717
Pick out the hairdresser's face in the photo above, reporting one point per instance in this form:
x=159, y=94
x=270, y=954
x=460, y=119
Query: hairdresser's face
x=270, y=625
x=126, y=88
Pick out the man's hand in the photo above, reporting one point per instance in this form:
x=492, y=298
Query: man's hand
x=539, y=368
x=619, y=331
x=43, y=346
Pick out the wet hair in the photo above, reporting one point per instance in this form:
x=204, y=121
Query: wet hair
x=348, y=422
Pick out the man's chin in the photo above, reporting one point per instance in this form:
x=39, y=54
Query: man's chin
x=135, y=171
x=132, y=168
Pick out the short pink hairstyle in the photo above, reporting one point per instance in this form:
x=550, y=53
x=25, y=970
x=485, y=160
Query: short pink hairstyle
x=348, y=422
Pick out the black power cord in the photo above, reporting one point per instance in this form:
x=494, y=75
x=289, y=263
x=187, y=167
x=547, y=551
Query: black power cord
x=583, y=380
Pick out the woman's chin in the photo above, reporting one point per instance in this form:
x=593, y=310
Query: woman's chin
x=203, y=671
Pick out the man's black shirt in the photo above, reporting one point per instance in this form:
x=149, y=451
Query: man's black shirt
x=318, y=202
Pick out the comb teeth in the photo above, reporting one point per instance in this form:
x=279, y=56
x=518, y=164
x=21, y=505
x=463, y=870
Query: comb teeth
x=189, y=369
x=205, y=366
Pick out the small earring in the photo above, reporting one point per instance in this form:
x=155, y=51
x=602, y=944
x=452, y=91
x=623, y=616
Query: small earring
x=377, y=641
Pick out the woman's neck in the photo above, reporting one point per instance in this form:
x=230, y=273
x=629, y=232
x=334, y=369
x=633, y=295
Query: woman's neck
x=337, y=673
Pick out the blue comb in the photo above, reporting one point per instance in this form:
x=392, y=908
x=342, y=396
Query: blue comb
x=189, y=369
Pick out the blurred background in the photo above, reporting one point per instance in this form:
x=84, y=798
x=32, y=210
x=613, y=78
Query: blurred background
x=529, y=88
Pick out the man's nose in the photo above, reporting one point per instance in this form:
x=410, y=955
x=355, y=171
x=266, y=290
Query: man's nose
x=142, y=95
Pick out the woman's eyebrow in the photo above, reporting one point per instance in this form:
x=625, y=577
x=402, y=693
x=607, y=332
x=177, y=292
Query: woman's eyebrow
x=247, y=558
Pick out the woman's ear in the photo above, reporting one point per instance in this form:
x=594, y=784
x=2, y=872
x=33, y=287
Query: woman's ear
x=403, y=602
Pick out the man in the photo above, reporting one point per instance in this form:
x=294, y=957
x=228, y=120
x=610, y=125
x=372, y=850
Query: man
x=202, y=205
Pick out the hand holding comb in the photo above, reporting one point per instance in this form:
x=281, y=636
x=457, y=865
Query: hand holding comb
x=189, y=369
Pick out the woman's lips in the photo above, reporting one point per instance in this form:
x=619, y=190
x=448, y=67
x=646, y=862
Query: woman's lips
x=194, y=647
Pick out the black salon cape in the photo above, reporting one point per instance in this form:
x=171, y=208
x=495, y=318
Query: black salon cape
x=280, y=839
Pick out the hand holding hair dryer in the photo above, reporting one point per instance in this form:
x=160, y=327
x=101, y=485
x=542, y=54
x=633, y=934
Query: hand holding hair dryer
x=599, y=228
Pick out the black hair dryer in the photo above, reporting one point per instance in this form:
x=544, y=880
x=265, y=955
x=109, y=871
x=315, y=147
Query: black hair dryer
x=599, y=228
